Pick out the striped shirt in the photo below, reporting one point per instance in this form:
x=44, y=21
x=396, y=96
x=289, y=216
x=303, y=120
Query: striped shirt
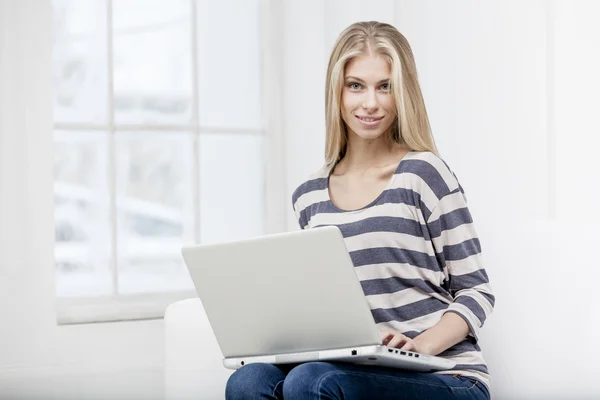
x=415, y=252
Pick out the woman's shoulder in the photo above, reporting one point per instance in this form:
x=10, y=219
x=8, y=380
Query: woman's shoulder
x=432, y=170
x=425, y=158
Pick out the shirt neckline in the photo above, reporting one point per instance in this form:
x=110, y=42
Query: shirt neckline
x=372, y=203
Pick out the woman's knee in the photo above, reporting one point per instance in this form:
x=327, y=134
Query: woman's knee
x=252, y=381
x=308, y=380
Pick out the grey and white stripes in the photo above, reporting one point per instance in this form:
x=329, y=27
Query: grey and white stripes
x=415, y=252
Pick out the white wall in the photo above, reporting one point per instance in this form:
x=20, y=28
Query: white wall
x=509, y=88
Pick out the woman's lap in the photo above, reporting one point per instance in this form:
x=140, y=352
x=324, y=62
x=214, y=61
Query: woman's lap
x=329, y=380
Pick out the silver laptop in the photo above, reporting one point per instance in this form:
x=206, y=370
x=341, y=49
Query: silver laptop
x=290, y=298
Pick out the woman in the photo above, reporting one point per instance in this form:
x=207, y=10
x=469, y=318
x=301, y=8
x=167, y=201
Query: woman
x=404, y=217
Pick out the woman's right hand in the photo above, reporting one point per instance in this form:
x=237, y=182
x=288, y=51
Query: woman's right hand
x=394, y=339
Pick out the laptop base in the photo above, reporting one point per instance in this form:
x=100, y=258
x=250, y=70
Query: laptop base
x=365, y=355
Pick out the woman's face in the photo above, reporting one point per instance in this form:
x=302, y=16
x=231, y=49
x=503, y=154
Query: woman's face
x=368, y=106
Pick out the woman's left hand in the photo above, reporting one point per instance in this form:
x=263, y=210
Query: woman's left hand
x=395, y=339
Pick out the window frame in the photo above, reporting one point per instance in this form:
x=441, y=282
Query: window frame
x=127, y=307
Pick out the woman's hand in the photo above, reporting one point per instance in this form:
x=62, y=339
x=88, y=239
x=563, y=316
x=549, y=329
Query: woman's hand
x=395, y=339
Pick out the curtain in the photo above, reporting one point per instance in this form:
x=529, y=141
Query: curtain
x=27, y=309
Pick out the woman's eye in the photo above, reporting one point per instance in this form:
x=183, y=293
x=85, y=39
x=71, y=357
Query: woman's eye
x=385, y=86
x=354, y=86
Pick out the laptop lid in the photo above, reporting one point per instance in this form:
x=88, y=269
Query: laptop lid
x=282, y=293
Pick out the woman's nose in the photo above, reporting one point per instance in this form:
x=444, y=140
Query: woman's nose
x=370, y=101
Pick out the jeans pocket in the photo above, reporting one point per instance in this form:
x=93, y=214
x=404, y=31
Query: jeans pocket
x=465, y=383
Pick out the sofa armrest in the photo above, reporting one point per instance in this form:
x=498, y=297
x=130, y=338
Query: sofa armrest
x=193, y=360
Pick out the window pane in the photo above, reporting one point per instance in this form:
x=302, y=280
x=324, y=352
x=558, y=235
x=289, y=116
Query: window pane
x=80, y=61
x=155, y=215
x=231, y=187
x=229, y=63
x=82, y=218
x=152, y=61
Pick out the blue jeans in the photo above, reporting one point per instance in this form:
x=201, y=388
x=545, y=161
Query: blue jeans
x=331, y=380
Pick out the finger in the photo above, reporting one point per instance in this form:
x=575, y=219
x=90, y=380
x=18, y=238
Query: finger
x=398, y=340
x=385, y=339
x=409, y=345
x=386, y=335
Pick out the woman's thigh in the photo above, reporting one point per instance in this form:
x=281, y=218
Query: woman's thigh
x=328, y=380
x=256, y=381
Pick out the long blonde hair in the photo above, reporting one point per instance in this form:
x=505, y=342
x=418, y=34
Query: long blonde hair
x=411, y=127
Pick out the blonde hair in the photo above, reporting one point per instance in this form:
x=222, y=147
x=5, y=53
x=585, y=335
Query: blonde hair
x=411, y=127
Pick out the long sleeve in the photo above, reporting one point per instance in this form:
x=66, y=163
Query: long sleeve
x=458, y=251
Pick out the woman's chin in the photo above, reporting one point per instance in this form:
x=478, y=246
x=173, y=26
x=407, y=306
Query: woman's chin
x=368, y=135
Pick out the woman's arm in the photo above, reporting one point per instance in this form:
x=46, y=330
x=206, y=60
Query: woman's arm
x=458, y=252
x=457, y=248
x=450, y=330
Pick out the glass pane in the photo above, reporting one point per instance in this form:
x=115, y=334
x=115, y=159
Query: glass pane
x=82, y=214
x=155, y=214
x=152, y=61
x=229, y=66
x=80, y=61
x=231, y=187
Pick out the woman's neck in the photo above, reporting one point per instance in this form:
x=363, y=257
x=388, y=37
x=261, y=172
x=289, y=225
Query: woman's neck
x=363, y=154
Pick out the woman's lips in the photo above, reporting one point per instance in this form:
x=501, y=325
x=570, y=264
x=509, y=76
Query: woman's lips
x=369, y=122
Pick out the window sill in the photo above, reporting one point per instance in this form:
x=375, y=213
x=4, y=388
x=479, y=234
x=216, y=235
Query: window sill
x=84, y=310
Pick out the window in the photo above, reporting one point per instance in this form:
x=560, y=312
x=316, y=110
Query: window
x=159, y=142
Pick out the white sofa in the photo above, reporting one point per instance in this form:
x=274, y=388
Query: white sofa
x=546, y=278
x=193, y=360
